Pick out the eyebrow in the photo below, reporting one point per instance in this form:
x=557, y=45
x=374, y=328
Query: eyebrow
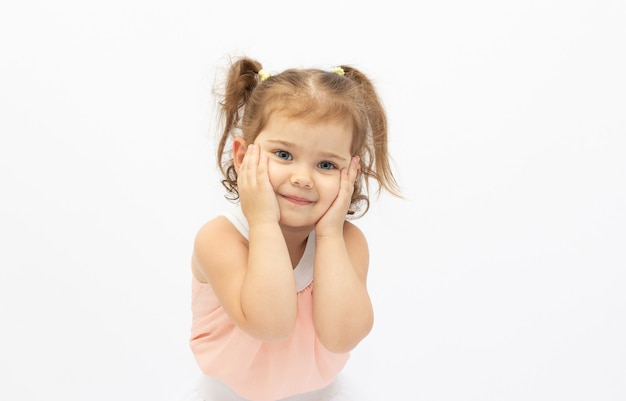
x=329, y=155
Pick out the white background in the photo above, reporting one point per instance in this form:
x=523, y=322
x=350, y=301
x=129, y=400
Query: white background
x=501, y=276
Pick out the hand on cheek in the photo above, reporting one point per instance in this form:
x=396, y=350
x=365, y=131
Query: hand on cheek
x=257, y=197
x=331, y=223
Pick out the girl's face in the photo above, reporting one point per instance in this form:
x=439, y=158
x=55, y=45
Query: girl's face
x=304, y=165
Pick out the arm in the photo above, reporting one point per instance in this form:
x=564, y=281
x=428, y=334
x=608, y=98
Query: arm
x=252, y=279
x=342, y=310
x=269, y=290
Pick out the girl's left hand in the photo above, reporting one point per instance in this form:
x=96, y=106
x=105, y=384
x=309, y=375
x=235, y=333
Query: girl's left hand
x=331, y=223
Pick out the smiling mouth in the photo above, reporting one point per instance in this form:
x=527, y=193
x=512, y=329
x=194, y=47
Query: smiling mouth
x=297, y=200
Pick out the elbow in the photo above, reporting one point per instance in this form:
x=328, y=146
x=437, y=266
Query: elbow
x=339, y=347
x=343, y=341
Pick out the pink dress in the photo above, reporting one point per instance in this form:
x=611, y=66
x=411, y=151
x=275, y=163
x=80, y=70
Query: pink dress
x=253, y=369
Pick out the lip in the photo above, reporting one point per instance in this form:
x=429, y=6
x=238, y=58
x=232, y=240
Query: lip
x=297, y=200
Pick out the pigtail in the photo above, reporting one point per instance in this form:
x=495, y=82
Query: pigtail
x=376, y=157
x=242, y=79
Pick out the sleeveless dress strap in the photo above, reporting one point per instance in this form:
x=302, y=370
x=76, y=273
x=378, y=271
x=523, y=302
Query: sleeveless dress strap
x=303, y=272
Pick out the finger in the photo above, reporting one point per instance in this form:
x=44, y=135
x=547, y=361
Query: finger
x=348, y=176
x=262, y=166
x=243, y=177
x=353, y=169
x=251, y=161
x=345, y=189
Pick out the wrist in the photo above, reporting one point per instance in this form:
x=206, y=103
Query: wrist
x=328, y=236
x=263, y=225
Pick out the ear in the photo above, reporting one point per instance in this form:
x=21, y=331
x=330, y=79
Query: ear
x=239, y=151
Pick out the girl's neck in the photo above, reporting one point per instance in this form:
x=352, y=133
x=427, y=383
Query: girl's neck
x=296, y=240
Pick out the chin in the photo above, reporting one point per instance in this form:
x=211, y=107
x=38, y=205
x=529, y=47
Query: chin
x=289, y=219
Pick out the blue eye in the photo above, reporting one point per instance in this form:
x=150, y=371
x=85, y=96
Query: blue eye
x=326, y=165
x=282, y=154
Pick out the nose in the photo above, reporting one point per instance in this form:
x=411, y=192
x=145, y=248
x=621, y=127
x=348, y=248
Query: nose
x=301, y=176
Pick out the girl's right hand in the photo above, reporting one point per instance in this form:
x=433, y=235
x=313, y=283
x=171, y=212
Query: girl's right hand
x=257, y=197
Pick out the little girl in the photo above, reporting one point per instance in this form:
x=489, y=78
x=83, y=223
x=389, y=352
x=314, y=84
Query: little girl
x=279, y=295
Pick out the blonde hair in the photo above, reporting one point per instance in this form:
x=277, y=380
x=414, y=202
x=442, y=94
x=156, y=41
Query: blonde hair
x=248, y=100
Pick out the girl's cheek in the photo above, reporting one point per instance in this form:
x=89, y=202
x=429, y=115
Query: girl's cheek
x=273, y=172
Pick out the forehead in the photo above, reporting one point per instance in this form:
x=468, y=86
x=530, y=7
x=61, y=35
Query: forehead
x=333, y=135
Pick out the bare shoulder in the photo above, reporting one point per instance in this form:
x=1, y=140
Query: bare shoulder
x=216, y=244
x=357, y=246
x=353, y=234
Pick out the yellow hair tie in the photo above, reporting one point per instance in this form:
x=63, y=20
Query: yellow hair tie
x=264, y=74
x=338, y=71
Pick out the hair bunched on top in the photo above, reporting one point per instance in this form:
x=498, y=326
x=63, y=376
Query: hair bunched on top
x=246, y=104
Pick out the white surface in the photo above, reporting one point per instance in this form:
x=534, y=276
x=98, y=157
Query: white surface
x=501, y=277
